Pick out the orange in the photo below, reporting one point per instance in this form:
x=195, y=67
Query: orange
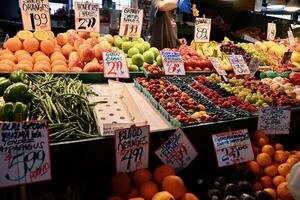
x=174, y=185
x=37, y=53
x=41, y=67
x=115, y=198
x=60, y=68
x=120, y=184
x=134, y=192
x=21, y=52
x=280, y=156
x=23, y=66
x=161, y=172
x=4, y=51
x=253, y=166
x=142, y=175
x=58, y=62
x=256, y=186
x=277, y=180
x=50, y=34
x=27, y=62
x=31, y=45
x=189, y=196
x=8, y=62
x=42, y=57
x=7, y=56
x=266, y=181
x=298, y=154
x=40, y=35
x=262, y=141
x=47, y=46
x=268, y=149
x=278, y=146
x=164, y=195
x=6, y=67
x=272, y=192
x=13, y=44
x=292, y=160
x=263, y=159
x=25, y=57
x=283, y=191
x=57, y=56
x=259, y=134
x=284, y=169
x=148, y=189
x=137, y=198
x=23, y=34
x=271, y=170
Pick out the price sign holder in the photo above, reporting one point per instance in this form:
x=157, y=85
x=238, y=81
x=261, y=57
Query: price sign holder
x=271, y=32
x=87, y=17
x=131, y=22
x=35, y=15
x=217, y=65
x=291, y=38
x=172, y=62
x=177, y=151
x=132, y=148
x=286, y=57
x=202, y=29
x=115, y=65
x=238, y=64
x=232, y=147
x=274, y=120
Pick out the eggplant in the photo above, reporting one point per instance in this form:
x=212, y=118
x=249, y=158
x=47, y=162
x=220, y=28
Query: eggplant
x=213, y=192
x=230, y=197
x=244, y=186
x=231, y=189
x=262, y=195
x=245, y=196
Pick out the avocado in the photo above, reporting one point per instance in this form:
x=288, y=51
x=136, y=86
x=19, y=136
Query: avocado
x=231, y=189
x=230, y=197
x=214, y=197
x=262, y=195
x=245, y=196
x=213, y=192
x=244, y=186
x=220, y=181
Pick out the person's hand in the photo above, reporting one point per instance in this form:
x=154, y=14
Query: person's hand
x=185, y=6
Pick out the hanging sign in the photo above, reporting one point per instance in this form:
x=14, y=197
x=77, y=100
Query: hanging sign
x=35, y=14
x=291, y=38
x=233, y=147
x=274, y=120
x=131, y=22
x=172, y=62
x=217, y=65
x=202, y=29
x=177, y=151
x=271, y=34
x=238, y=64
x=24, y=153
x=87, y=17
x=115, y=65
x=132, y=148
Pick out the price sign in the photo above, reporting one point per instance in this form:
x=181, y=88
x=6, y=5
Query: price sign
x=217, y=65
x=132, y=148
x=271, y=34
x=202, y=29
x=35, y=14
x=291, y=38
x=274, y=120
x=131, y=22
x=286, y=57
x=115, y=65
x=232, y=147
x=172, y=62
x=87, y=17
x=238, y=64
x=24, y=153
x=177, y=151
x=253, y=66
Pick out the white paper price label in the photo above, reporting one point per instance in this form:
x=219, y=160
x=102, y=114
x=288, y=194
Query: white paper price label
x=238, y=64
x=232, y=147
x=115, y=65
x=202, y=29
x=24, y=153
x=132, y=148
x=271, y=33
x=35, y=14
x=131, y=22
x=291, y=38
x=177, y=151
x=274, y=120
x=87, y=17
x=172, y=62
x=217, y=65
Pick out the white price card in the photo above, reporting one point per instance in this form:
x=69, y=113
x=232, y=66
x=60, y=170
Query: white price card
x=172, y=62
x=271, y=32
x=87, y=17
x=131, y=22
x=202, y=29
x=115, y=65
x=274, y=120
x=35, y=14
x=24, y=153
x=217, y=65
x=132, y=148
x=238, y=64
x=177, y=151
x=291, y=38
x=233, y=147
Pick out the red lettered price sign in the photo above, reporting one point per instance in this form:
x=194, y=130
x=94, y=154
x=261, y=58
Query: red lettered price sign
x=177, y=151
x=132, y=148
x=131, y=22
x=202, y=29
x=24, y=153
x=274, y=120
x=87, y=17
x=238, y=64
x=233, y=147
x=35, y=14
x=271, y=32
x=115, y=65
x=217, y=65
x=172, y=62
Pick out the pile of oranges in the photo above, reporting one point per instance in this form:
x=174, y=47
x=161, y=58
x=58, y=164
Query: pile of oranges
x=272, y=166
x=163, y=184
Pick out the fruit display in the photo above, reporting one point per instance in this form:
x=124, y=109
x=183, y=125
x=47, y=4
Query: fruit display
x=230, y=48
